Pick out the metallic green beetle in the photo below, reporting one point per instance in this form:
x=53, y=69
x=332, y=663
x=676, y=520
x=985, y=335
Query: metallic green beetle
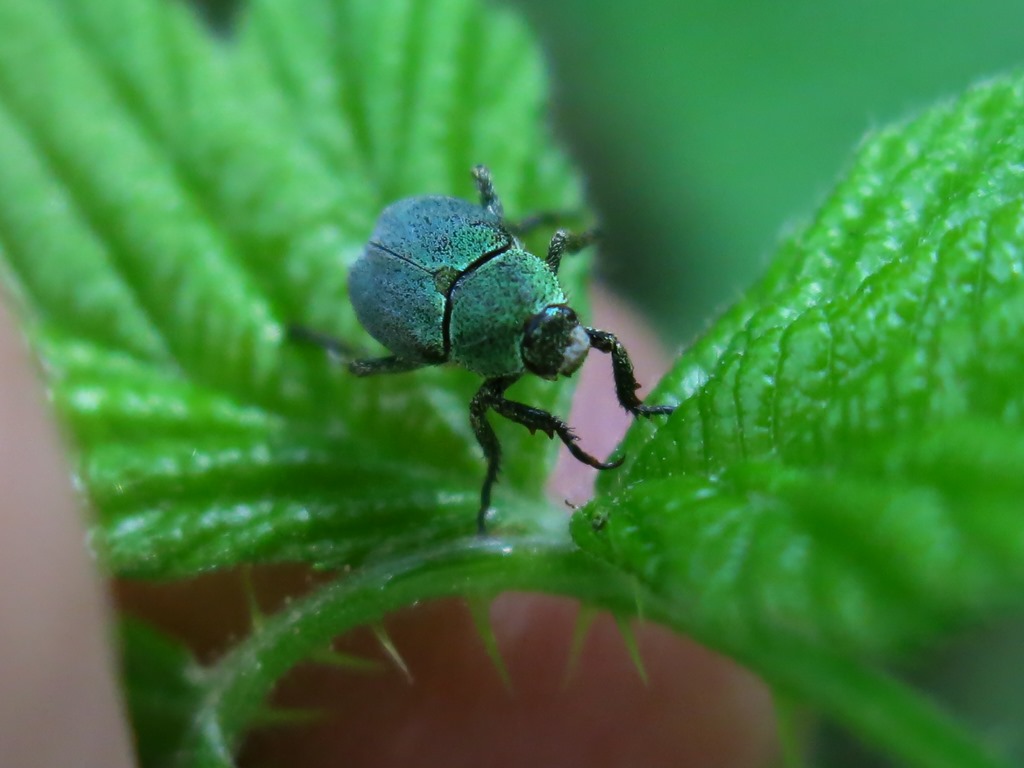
x=443, y=280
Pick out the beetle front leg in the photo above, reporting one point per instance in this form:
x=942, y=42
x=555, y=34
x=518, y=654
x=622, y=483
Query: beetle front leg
x=491, y=396
x=622, y=369
x=535, y=419
x=490, y=392
x=563, y=242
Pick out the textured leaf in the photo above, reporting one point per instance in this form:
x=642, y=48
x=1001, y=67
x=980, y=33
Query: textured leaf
x=163, y=688
x=171, y=201
x=844, y=465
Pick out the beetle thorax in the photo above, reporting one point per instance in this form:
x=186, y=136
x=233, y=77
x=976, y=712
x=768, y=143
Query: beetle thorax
x=554, y=342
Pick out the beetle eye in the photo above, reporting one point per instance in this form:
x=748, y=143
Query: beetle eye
x=541, y=325
x=531, y=330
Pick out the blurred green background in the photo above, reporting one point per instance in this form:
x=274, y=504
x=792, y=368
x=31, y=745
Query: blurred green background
x=706, y=130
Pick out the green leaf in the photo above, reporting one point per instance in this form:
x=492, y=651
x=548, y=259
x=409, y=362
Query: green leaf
x=163, y=688
x=843, y=470
x=840, y=484
x=170, y=202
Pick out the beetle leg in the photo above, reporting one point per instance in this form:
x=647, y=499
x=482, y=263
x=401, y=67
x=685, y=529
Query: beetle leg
x=622, y=369
x=491, y=396
x=523, y=227
x=488, y=197
x=490, y=392
x=379, y=365
x=363, y=367
x=535, y=419
x=297, y=333
x=563, y=242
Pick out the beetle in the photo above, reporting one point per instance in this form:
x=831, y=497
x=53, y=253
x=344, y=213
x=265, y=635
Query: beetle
x=443, y=280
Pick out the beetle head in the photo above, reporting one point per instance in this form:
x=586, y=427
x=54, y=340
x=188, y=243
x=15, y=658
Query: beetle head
x=554, y=342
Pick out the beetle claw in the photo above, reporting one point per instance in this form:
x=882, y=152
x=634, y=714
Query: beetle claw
x=652, y=410
x=611, y=464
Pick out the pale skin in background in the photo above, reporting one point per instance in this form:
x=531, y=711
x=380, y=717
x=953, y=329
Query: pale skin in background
x=60, y=703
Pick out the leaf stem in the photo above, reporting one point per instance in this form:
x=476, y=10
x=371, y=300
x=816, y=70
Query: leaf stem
x=871, y=703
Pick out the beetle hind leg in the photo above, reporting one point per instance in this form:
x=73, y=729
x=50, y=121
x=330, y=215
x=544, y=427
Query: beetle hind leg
x=491, y=202
x=526, y=225
x=564, y=242
x=488, y=196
